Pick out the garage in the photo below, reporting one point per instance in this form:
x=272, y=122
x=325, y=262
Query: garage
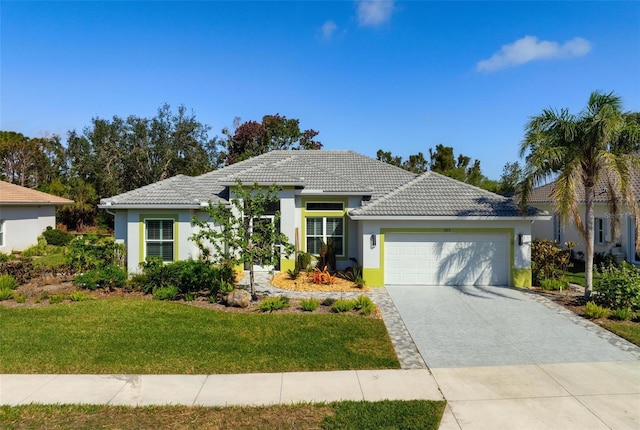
x=447, y=258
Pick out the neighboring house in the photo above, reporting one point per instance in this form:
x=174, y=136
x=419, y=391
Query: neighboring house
x=622, y=244
x=24, y=215
x=400, y=227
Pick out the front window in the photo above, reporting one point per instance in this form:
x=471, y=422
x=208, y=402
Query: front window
x=159, y=238
x=599, y=229
x=328, y=230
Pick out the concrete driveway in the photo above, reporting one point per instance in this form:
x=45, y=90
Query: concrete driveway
x=497, y=326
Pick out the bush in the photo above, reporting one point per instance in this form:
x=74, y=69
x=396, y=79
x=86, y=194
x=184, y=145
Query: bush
x=621, y=314
x=5, y=294
x=166, y=293
x=303, y=261
x=90, y=252
x=364, y=305
x=309, y=305
x=619, y=287
x=593, y=311
x=293, y=274
x=21, y=270
x=604, y=260
x=19, y=299
x=271, y=304
x=8, y=282
x=189, y=276
x=57, y=237
x=329, y=301
x=78, y=296
x=55, y=299
x=552, y=284
x=548, y=261
x=36, y=250
x=4, y=257
x=343, y=305
x=110, y=277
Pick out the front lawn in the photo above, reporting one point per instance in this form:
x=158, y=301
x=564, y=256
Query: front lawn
x=415, y=414
x=627, y=330
x=154, y=337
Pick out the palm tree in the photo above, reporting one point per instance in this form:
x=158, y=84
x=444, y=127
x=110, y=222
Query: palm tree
x=580, y=151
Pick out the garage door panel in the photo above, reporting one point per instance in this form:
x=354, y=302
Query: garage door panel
x=447, y=259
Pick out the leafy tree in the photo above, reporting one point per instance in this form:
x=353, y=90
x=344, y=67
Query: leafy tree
x=237, y=236
x=510, y=178
x=30, y=162
x=388, y=158
x=582, y=150
x=253, y=138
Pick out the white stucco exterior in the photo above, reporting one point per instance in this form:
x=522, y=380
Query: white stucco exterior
x=21, y=225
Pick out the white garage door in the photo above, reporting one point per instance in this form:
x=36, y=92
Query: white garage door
x=446, y=259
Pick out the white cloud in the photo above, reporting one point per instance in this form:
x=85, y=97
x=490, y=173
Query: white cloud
x=328, y=28
x=374, y=12
x=529, y=48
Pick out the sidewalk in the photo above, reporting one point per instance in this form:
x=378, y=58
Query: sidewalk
x=220, y=390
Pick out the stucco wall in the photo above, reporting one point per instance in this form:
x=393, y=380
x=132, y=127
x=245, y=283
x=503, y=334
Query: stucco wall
x=23, y=225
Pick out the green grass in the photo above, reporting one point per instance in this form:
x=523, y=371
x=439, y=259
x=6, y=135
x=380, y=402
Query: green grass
x=628, y=331
x=52, y=261
x=416, y=414
x=150, y=336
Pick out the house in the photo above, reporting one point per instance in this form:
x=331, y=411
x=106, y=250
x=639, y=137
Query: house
x=24, y=214
x=401, y=228
x=623, y=244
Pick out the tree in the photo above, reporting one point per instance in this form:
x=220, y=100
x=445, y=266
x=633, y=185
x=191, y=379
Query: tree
x=510, y=178
x=275, y=132
x=30, y=162
x=237, y=234
x=582, y=151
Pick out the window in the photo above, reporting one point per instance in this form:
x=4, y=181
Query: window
x=599, y=230
x=159, y=238
x=329, y=230
x=1, y=232
x=325, y=206
x=558, y=229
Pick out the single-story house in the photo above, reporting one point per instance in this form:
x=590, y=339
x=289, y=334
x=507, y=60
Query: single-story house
x=401, y=228
x=24, y=214
x=623, y=244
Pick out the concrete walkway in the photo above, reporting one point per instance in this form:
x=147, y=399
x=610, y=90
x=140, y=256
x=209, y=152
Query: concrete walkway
x=588, y=395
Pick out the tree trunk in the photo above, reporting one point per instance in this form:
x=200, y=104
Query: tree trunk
x=588, y=270
x=251, y=283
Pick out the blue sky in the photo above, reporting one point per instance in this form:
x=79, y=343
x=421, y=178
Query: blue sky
x=398, y=76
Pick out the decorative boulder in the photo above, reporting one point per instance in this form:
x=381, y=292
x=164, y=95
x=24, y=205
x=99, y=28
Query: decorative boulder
x=238, y=298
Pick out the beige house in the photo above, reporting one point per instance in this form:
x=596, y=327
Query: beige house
x=24, y=214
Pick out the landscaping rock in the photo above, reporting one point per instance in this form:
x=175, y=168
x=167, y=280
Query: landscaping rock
x=238, y=298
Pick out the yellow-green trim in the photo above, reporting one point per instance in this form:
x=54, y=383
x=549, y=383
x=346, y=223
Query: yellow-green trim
x=373, y=277
x=453, y=230
x=522, y=278
x=287, y=264
x=324, y=214
x=176, y=239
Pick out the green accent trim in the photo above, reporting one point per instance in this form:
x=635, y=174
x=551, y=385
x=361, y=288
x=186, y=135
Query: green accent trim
x=522, y=278
x=453, y=230
x=324, y=214
x=287, y=264
x=373, y=277
x=176, y=241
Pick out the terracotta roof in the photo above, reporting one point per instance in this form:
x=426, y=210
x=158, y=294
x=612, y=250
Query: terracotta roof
x=11, y=194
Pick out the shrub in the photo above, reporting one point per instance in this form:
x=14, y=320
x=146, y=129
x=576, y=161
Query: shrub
x=5, y=294
x=293, y=274
x=552, y=284
x=57, y=237
x=309, y=305
x=189, y=276
x=189, y=297
x=619, y=287
x=364, y=305
x=55, y=299
x=303, y=261
x=78, y=296
x=8, y=282
x=90, y=252
x=548, y=261
x=36, y=250
x=4, y=257
x=110, y=277
x=19, y=298
x=343, y=305
x=604, y=260
x=593, y=311
x=271, y=304
x=621, y=314
x=21, y=270
x=166, y=293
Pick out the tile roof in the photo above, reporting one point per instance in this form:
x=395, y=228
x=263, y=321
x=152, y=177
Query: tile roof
x=543, y=194
x=12, y=194
x=393, y=191
x=432, y=194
